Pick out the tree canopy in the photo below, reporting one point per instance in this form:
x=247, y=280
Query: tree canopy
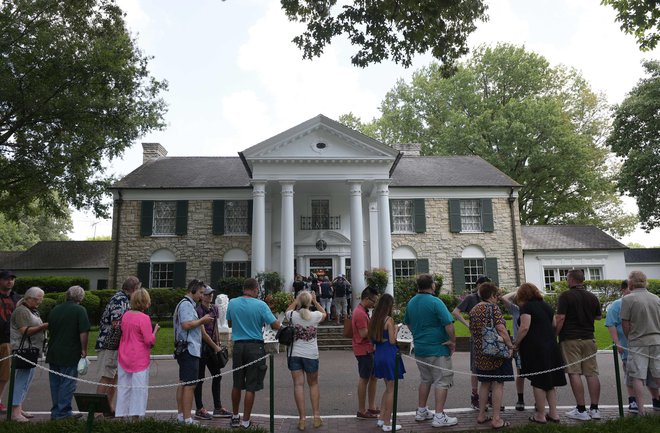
x=640, y=19
x=388, y=29
x=541, y=125
x=74, y=92
x=31, y=228
x=635, y=137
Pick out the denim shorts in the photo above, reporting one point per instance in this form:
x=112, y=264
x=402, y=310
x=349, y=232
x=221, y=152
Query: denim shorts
x=296, y=363
x=365, y=365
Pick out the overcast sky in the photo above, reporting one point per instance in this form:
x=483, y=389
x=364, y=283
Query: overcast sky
x=235, y=78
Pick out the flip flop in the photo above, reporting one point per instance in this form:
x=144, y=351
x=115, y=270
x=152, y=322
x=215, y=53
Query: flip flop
x=532, y=419
x=488, y=419
x=504, y=424
x=551, y=419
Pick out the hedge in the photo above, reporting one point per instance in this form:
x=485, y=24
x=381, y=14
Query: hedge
x=50, y=284
x=231, y=286
x=91, y=302
x=606, y=290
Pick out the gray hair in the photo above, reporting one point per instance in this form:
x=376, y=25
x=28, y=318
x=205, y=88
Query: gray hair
x=75, y=294
x=636, y=280
x=33, y=292
x=131, y=284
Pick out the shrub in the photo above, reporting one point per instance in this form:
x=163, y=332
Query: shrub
x=231, y=286
x=654, y=286
x=278, y=301
x=105, y=296
x=451, y=301
x=50, y=284
x=406, y=288
x=46, y=306
x=163, y=302
x=270, y=282
x=377, y=278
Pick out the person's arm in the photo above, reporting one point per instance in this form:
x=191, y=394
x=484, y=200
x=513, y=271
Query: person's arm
x=31, y=330
x=559, y=322
x=208, y=340
x=459, y=316
x=508, y=299
x=276, y=325
x=84, y=337
x=625, y=325
x=615, y=337
x=192, y=324
x=451, y=341
x=292, y=306
x=523, y=328
x=391, y=330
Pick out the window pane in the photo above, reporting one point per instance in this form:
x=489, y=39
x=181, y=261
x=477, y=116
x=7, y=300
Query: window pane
x=404, y=268
x=320, y=214
x=236, y=216
x=471, y=215
x=595, y=274
x=162, y=275
x=473, y=269
x=549, y=278
x=402, y=216
x=235, y=269
x=164, y=218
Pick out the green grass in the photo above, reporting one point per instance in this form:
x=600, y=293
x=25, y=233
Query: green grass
x=164, y=342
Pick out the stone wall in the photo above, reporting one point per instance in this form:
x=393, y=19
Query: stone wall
x=440, y=246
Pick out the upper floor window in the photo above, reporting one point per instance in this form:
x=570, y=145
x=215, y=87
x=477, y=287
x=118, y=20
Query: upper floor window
x=164, y=220
x=403, y=220
x=236, y=217
x=320, y=214
x=471, y=215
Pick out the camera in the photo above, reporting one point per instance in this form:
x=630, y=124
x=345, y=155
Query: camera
x=180, y=346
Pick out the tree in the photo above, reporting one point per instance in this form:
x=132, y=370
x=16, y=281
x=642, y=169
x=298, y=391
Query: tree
x=540, y=125
x=31, y=228
x=74, y=92
x=635, y=137
x=388, y=29
x=640, y=19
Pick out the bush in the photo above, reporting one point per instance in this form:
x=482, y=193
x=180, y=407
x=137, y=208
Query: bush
x=606, y=291
x=163, y=302
x=105, y=296
x=406, y=288
x=654, y=286
x=50, y=284
x=377, y=278
x=451, y=301
x=91, y=302
x=270, y=282
x=278, y=301
x=46, y=306
x=231, y=286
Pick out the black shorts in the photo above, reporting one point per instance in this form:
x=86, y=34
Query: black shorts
x=249, y=378
x=365, y=365
x=188, y=367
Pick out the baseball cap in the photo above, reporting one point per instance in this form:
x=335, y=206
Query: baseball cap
x=4, y=274
x=483, y=279
x=208, y=290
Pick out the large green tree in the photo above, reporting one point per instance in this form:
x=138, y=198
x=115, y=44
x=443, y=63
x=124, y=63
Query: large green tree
x=388, y=29
x=75, y=91
x=635, y=137
x=31, y=228
x=541, y=125
x=640, y=18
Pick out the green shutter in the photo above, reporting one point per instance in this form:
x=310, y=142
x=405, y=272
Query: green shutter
x=455, y=215
x=422, y=266
x=491, y=270
x=181, y=218
x=250, y=210
x=218, y=217
x=458, y=275
x=179, y=280
x=419, y=210
x=143, y=274
x=217, y=269
x=249, y=269
x=487, y=224
x=147, y=218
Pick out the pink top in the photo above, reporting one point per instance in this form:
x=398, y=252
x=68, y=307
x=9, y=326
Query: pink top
x=137, y=337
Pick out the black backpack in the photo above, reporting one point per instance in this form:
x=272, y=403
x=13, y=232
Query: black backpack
x=326, y=290
x=285, y=335
x=340, y=289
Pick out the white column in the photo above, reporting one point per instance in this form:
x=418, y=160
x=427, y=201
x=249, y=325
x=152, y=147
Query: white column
x=385, y=233
x=286, y=252
x=357, y=241
x=258, y=227
x=374, y=258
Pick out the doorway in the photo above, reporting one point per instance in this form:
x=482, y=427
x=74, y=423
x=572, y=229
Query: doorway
x=321, y=267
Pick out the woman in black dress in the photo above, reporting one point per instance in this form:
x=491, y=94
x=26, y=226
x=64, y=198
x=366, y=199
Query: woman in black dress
x=537, y=343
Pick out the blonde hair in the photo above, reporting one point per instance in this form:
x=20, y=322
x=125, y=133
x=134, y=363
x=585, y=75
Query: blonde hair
x=140, y=300
x=304, y=301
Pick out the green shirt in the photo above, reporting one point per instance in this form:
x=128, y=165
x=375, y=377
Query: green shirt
x=66, y=322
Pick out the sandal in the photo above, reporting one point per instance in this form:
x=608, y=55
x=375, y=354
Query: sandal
x=488, y=419
x=551, y=419
x=532, y=419
x=318, y=422
x=301, y=424
x=504, y=424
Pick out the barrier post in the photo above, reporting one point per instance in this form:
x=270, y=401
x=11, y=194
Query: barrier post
x=397, y=359
x=272, y=393
x=617, y=375
x=10, y=393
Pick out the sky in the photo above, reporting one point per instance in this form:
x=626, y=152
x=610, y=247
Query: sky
x=236, y=79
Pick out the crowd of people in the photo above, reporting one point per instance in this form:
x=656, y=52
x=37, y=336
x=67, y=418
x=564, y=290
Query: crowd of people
x=564, y=337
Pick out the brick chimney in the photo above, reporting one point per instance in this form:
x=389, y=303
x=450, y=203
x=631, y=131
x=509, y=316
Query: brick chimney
x=408, y=149
x=152, y=151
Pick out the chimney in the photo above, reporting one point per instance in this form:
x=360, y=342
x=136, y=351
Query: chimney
x=152, y=151
x=408, y=149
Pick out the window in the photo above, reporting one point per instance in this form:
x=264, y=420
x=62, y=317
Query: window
x=236, y=217
x=320, y=214
x=162, y=275
x=164, y=221
x=472, y=269
x=402, y=216
x=404, y=269
x=471, y=215
x=235, y=269
x=551, y=275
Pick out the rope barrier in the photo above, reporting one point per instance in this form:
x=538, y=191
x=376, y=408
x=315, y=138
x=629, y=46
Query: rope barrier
x=656, y=358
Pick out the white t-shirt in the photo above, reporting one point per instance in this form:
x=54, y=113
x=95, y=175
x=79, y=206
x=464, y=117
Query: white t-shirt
x=304, y=345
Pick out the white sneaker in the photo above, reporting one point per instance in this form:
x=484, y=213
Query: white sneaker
x=423, y=415
x=594, y=413
x=442, y=420
x=391, y=427
x=580, y=416
x=380, y=423
x=633, y=408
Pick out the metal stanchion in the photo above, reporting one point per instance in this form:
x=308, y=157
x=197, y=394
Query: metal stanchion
x=617, y=375
x=397, y=359
x=10, y=394
x=272, y=393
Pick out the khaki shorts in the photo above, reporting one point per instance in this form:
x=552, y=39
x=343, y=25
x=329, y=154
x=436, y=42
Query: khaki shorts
x=643, y=361
x=5, y=366
x=575, y=350
x=441, y=377
x=107, y=362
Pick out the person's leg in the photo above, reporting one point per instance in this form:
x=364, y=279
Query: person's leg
x=423, y=394
x=371, y=393
x=54, y=381
x=483, y=401
x=248, y=402
x=551, y=396
x=235, y=400
x=22, y=380
x=497, y=390
x=139, y=393
x=179, y=401
x=314, y=393
x=214, y=369
x=386, y=403
x=440, y=399
x=67, y=389
x=299, y=392
x=593, y=385
x=362, y=394
x=110, y=391
x=638, y=385
x=577, y=387
x=187, y=400
x=124, y=380
x=199, y=404
x=539, y=404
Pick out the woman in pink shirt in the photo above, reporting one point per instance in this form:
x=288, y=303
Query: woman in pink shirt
x=137, y=338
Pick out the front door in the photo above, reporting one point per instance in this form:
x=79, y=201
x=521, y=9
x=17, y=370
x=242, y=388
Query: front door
x=321, y=268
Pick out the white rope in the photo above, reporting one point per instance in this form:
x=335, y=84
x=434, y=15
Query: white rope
x=506, y=376
x=6, y=357
x=111, y=385
x=629, y=350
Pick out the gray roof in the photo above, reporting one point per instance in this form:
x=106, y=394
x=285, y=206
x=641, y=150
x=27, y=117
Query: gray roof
x=568, y=237
x=7, y=256
x=642, y=255
x=229, y=172
x=63, y=255
x=448, y=171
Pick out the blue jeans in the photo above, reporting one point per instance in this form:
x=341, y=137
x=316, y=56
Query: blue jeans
x=22, y=382
x=61, y=391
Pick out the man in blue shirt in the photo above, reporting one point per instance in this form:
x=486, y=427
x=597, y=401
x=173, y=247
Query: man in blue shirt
x=247, y=315
x=432, y=327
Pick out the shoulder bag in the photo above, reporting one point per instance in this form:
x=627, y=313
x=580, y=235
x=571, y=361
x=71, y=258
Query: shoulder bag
x=31, y=353
x=492, y=343
x=113, y=337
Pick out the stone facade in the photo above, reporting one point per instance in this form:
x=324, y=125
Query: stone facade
x=440, y=246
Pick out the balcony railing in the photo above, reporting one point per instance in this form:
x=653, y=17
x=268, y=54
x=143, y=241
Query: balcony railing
x=320, y=223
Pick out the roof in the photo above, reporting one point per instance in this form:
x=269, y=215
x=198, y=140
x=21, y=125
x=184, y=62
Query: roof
x=448, y=171
x=568, y=237
x=8, y=256
x=642, y=255
x=63, y=255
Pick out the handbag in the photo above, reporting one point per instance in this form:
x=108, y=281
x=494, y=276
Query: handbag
x=223, y=356
x=492, y=344
x=30, y=353
x=113, y=337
